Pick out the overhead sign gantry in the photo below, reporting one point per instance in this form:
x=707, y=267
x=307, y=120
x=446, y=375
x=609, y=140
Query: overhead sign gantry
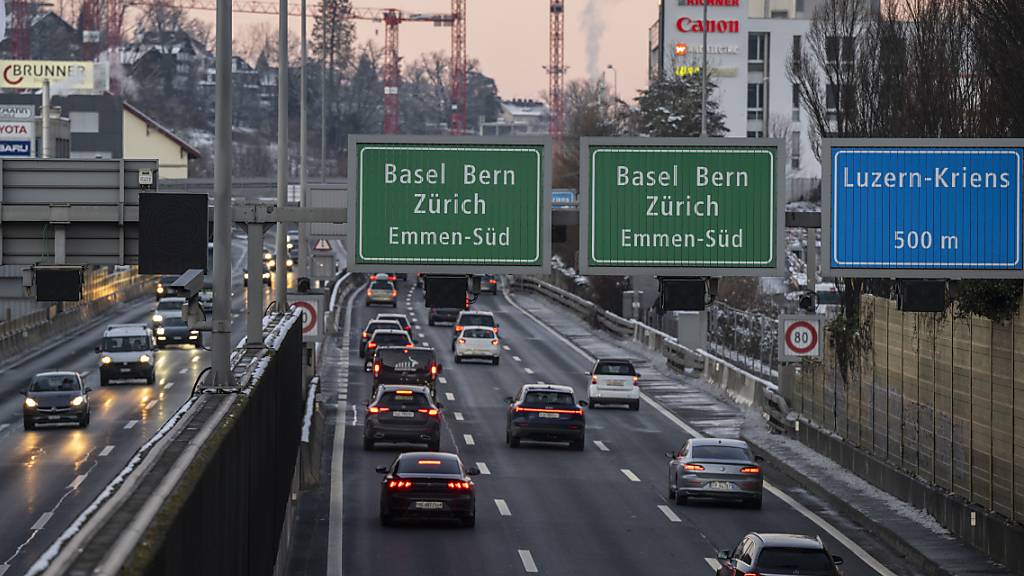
x=449, y=204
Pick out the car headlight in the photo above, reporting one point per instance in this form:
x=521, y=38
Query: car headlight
x=31, y=403
x=193, y=331
x=245, y=275
x=158, y=318
x=266, y=274
x=77, y=400
x=290, y=245
x=144, y=358
x=106, y=360
x=159, y=289
x=160, y=330
x=289, y=263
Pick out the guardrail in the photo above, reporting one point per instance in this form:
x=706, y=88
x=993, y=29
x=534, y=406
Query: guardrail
x=342, y=285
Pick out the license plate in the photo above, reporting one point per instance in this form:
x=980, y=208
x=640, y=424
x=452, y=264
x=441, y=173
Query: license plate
x=53, y=417
x=616, y=383
x=548, y=415
x=126, y=369
x=404, y=414
x=719, y=485
x=429, y=505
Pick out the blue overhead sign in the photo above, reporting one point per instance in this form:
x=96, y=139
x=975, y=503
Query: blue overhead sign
x=923, y=211
x=563, y=197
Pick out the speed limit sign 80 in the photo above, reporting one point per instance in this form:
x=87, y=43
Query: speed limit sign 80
x=799, y=337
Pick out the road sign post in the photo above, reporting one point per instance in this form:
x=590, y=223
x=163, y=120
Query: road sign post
x=451, y=205
x=800, y=337
x=681, y=207
x=311, y=304
x=922, y=208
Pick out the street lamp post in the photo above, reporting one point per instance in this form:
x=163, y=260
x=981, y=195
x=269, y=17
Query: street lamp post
x=704, y=77
x=615, y=76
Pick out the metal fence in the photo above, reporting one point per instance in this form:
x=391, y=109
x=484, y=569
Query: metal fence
x=747, y=339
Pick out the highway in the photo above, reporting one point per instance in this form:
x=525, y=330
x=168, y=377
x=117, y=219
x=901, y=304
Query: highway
x=49, y=475
x=546, y=509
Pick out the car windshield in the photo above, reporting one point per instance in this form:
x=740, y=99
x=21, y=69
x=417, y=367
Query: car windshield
x=477, y=333
x=380, y=285
x=174, y=321
x=168, y=304
x=407, y=359
x=125, y=343
x=398, y=401
x=793, y=561
x=428, y=465
x=390, y=339
x=476, y=320
x=614, y=368
x=54, y=383
x=548, y=398
x=720, y=453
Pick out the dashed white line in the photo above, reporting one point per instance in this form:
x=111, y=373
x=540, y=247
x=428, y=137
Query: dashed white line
x=106, y=451
x=528, y=564
x=77, y=481
x=600, y=446
x=469, y=439
x=169, y=385
x=502, y=507
x=131, y=424
x=151, y=404
x=442, y=379
x=459, y=416
x=629, y=474
x=505, y=346
x=449, y=396
x=528, y=371
x=483, y=468
x=420, y=334
x=713, y=562
x=4, y=427
x=517, y=358
x=183, y=371
x=42, y=521
x=669, y=513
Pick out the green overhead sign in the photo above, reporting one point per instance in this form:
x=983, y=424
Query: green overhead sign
x=462, y=205
x=681, y=207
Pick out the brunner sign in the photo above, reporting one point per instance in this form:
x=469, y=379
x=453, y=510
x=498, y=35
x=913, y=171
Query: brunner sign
x=447, y=204
x=681, y=207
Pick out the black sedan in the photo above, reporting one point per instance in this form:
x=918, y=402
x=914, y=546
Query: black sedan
x=545, y=412
x=54, y=398
x=175, y=330
x=427, y=485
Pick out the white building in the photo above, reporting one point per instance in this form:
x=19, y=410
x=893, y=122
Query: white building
x=518, y=118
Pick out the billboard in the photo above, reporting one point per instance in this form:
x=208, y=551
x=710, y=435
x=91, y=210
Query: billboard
x=17, y=139
x=64, y=76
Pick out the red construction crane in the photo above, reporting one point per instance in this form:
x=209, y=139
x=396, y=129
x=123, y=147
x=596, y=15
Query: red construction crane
x=101, y=25
x=556, y=71
x=21, y=21
x=459, y=69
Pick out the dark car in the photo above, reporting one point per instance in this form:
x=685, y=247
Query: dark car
x=175, y=330
x=438, y=315
x=163, y=287
x=545, y=412
x=404, y=414
x=371, y=327
x=54, y=398
x=489, y=283
x=778, y=555
x=428, y=485
x=402, y=365
x=715, y=468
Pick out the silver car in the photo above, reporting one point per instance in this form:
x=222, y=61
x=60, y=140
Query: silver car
x=715, y=468
x=382, y=292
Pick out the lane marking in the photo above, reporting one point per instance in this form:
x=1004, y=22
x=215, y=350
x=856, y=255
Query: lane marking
x=669, y=513
x=449, y=396
x=42, y=521
x=420, y=334
x=505, y=346
x=517, y=358
x=852, y=546
x=528, y=564
x=502, y=507
x=469, y=439
x=629, y=474
x=77, y=481
x=458, y=416
x=4, y=427
x=169, y=385
x=4, y=568
x=528, y=371
x=131, y=424
x=183, y=371
x=151, y=404
x=713, y=562
x=106, y=451
x=442, y=379
x=600, y=446
x=484, y=470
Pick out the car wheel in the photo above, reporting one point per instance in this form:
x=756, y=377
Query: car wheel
x=680, y=497
x=430, y=321
x=367, y=443
x=634, y=405
x=385, y=519
x=29, y=424
x=458, y=359
x=671, y=491
x=469, y=521
x=151, y=379
x=84, y=422
x=495, y=360
x=754, y=504
x=103, y=380
x=577, y=445
x=362, y=352
x=394, y=304
x=513, y=442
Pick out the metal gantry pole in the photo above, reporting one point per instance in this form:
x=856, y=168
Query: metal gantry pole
x=281, y=271
x=254, y=312
x=704, y=77
x=221, y=334
x=302, y=266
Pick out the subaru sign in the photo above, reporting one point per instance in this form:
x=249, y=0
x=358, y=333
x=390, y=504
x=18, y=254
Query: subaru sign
x=15, y=149
x=922, y=208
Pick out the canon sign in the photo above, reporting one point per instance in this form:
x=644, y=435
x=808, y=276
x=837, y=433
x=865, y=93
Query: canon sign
x=686, y=24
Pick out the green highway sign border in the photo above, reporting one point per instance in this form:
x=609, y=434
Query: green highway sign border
x=621, y=269
x=352, y=242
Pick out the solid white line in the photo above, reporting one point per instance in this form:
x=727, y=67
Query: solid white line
x=528, y=563
x=669, y=513
x=502, y=507
x=449, y=396
x=77, y=481
x=442, y=379
x=600, y=446
x=528, y=371
x=469, y=439
x=517, y=358
x=151, y=404
x=484, y=470
x=42, y=521
x=334, y=525
x=850, y=545
x=629, y=474
x=131, y=424
x=106, y=451
x=169, y=385
x=713, y=562
x=458, y=416
x=4, y=568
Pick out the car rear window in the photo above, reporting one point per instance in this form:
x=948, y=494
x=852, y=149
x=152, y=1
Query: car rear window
x=548, y=398
x=476, y=320
x=720, y=453
x=428, y=465
x=614, y=369
x=794, y=561
x=380, y=285
x=400, y=319
x=477, y=333
x=420, y=359
x=55, y=383
x=394, y=400
x=382, y=325
x=390, y=339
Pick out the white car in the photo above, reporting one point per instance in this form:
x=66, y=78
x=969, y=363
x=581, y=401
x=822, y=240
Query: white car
x=478, y=342
x=614, y=381
x=469, y=318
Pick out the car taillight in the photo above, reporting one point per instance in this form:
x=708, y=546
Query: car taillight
x=458, y=328
x=462, y=340
x=433, y=369
x=428, y=411
x=394, y=293
x=399, y=484
x=751, y=574
x=371, y=345
x=577, y=411
x=369, y=292
x=593, y=379
x=494, y=342
x=366, y=335
x=636, y=380
x=750, y=470
x=392, y=278
x=378, y=409
x=492, y=281
x=693, y=467
x=376, y=369
x=460, y=486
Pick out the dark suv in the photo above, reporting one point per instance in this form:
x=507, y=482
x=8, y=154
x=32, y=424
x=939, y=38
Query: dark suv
x=778, y=555
x=401, y=365
x=545, y=412
x=403, y=414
